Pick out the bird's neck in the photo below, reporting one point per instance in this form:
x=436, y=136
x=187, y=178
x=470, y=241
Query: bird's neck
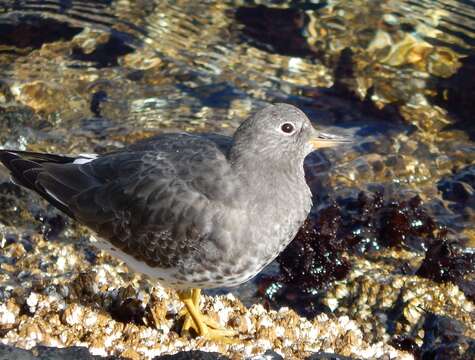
x=275, y=200
x=267, y=179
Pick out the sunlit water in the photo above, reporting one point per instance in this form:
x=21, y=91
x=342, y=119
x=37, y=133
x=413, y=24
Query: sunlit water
x=398, y=76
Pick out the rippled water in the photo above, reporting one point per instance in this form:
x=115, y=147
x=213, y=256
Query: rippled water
x=83, y=76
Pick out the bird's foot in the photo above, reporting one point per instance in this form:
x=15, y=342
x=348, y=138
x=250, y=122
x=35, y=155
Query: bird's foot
x=203, y=326
x=188, y=322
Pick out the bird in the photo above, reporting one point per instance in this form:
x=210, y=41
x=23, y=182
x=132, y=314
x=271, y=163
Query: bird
x=192, y=211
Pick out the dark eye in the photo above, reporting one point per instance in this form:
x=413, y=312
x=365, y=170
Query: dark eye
x=288, y=128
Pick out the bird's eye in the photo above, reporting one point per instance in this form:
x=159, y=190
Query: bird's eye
x=288, y=128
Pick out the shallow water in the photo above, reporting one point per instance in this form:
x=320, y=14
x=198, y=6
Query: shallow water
x=397, y=75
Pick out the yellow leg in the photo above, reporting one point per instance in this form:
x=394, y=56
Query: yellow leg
x=196, y=296
x=194, y=319
x=188, y=321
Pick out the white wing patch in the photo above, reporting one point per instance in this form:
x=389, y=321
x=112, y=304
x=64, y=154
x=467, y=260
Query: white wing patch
x=54, y=196
x=84, y=158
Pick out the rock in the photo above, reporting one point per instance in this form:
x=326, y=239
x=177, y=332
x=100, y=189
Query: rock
x=195, y=355
x=457, y=191
x=11, y=197
x=444, y=339
x=459, y=187
x=268, y=355
x=278, y=30
x=327, y=356
x=49, y=353
x=13, y=353
x=31, y=32
x=456, y=94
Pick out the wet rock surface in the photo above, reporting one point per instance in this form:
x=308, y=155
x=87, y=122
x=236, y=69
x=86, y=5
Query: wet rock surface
x=45, y=353
x=444, y=338
x=384, y=266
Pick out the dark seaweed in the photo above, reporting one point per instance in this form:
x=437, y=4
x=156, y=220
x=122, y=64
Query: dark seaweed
x=445, y=261
x=358, y=225
x=408, y=344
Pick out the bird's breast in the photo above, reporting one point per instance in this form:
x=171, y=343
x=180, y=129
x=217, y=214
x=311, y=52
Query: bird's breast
x=263, y=229
x=246, y=235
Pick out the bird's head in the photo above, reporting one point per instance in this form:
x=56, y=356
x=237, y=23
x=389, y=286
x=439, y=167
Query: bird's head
x=281, y=131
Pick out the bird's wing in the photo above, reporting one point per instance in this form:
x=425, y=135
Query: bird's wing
x=134, y=196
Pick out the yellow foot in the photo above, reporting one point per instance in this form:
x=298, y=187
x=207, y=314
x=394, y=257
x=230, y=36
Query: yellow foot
x=201, y=325
x=188, y=322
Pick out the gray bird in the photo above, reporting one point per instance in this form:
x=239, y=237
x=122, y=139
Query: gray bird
x=192, y=211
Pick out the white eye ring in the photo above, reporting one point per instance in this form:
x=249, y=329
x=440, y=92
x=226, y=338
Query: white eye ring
x=287, y=128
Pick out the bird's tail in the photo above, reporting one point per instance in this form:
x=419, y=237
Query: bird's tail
x=25, y=167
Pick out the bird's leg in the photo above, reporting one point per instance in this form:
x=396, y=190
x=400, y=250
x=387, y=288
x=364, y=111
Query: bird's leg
x=196, y=296
x=194, y=319
x=188, y=321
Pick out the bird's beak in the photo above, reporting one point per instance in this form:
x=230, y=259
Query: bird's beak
x=322, y=140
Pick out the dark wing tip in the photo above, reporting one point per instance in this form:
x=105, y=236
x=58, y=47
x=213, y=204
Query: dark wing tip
x=25, y=171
